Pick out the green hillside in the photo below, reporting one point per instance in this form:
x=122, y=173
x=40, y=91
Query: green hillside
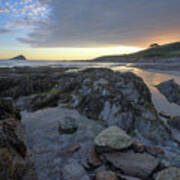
x=156, y=51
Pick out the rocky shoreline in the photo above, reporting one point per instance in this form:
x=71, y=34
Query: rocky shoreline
x=15, y=160
x=120, y=134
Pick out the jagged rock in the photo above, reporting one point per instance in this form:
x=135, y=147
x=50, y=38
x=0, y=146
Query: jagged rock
x=112, y=138
x=68, y=126
x=171, y=90
x=13, y=152
x=7, y=109
x=106, y=175
x=17, y=82
x=113, y=98
x=175, y=122
x=169, y=174
x=133, y=164
x=74, y=171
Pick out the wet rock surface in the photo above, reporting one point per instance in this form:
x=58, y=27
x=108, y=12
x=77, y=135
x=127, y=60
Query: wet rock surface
x=171, y=90
x=17, y=82
x=74, y=171
x=14, y=159
x=89, y=124
x=133, y=164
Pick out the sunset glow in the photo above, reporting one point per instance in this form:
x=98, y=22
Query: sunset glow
x=62, y=30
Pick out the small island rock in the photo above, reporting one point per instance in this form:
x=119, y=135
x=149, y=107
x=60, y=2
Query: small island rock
x=20, y=57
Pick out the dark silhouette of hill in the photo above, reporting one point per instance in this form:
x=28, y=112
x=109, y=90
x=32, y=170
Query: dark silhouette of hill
x=155, y=51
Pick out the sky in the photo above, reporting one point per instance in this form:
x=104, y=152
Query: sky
x=85, y=29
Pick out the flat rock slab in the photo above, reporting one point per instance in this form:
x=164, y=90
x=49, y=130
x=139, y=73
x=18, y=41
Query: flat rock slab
x=169, y=174
x=74, y=171
x=106, y=175
x=133, y=164
x=112, y=138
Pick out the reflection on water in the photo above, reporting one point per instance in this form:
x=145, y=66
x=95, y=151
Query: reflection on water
x=152, y=79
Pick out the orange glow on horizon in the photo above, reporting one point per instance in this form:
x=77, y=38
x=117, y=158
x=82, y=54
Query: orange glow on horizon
x=67, y=53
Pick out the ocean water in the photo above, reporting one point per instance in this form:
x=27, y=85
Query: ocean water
x=36, y=63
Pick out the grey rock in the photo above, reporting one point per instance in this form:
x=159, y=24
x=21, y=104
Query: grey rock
x=112, y=138
x=175, y=122
x=171, y=90
x=169, y=174
x=68, y=126
x=133, y=164
x=74, y=171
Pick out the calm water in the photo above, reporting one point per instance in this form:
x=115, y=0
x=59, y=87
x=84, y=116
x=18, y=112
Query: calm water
x=19, y=63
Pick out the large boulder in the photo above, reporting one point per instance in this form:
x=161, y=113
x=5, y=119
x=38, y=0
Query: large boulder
x=169, y=174
x=133, y=164
x=114, y=99
x=171, y=90
x=112, y=138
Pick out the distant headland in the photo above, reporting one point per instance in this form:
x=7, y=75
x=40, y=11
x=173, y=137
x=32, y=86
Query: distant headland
x=20, y=57
x=153, y=53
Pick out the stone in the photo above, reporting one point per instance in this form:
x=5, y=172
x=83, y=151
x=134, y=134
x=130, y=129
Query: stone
x=171, y=90
x=106, y=175
x=112, y=138
x=133, y=164
x=174, y=122
x=74, y=171
x=93, y=158
x=138, y=147
x=169, y=174
x=71, y=149
x=68, y=126
x=6, y=163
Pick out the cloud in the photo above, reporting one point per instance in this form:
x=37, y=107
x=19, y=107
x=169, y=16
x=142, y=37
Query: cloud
x=90, y=23
x=6, y=31
x=24, y=12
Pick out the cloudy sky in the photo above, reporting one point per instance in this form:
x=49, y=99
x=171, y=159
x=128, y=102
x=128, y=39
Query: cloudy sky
x=83, y=29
